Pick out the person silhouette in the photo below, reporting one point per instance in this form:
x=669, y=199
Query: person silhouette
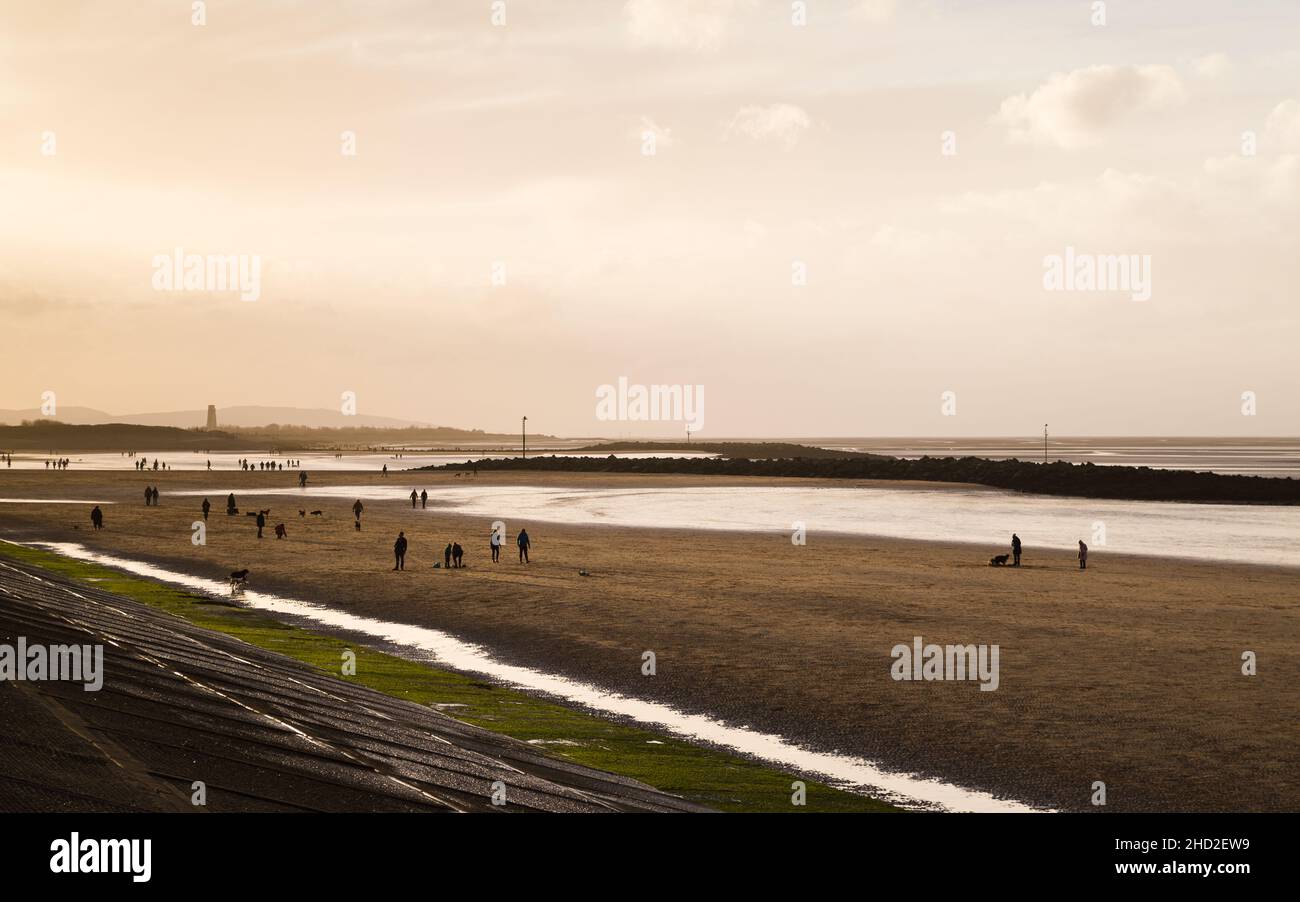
x=446, y=557
x=261, y=522
x=1083, y=555
x=399, y=552
x=207, y=506
x=97, y=518
x=424, y=499
x=1015, y=549
x=524, y=544
x=414, y=498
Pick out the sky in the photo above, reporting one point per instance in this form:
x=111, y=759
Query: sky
x=828, y=218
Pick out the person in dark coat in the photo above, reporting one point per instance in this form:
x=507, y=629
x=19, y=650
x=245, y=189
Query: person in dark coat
x=1015, y=549
x=524, y=544
x=97, y=518
x=399, y=551
x=457, y=555
x=207, y=506
x=261, y=522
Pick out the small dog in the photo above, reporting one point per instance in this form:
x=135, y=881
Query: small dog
x=250, y=513
x=999, y=560
x=280, y=531
x=265, y=513
x=302, y=513
x=316, y=513
x=238, y=579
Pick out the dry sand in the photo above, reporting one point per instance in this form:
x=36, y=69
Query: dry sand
x=1128, y=673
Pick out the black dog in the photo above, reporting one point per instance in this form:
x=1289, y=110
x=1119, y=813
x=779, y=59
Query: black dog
x=999, y=560
x=315, y=513
x=238, y=578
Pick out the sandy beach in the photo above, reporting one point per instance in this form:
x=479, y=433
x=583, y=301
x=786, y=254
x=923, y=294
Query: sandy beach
x=1128, y=673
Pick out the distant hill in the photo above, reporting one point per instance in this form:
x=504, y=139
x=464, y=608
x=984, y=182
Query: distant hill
x=244, y=416
x=60, y=438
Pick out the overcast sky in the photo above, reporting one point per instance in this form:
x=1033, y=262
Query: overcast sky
x=127, y=131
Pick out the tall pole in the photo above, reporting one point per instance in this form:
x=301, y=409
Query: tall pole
x=1044, y=443
x=523, y=434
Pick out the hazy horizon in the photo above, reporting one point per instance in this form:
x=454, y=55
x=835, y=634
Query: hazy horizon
x=518, y=150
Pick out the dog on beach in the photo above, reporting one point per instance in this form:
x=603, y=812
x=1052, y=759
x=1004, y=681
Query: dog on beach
x=999, y=560
x=302, y=513
x=316, y=513
x=238, y=579
x=280, y=531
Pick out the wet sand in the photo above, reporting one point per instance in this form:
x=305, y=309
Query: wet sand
x=1128, y=673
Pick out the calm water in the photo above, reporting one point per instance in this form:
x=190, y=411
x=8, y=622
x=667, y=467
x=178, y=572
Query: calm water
x=1245, y=533
x=1249, y=457
x=311, y=462
x=1254, y=457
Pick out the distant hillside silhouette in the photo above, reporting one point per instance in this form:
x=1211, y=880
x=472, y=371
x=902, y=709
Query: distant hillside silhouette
x=47, y=435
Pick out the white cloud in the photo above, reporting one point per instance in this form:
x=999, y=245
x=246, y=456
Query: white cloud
x=1074, y=109
x=782, y=122
x=1282, y=129
x=699, y=25
x=1212, y=65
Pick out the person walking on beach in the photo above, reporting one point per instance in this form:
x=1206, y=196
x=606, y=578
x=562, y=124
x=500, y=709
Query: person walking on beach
x=206, y=507
x=424, y=499
x=495, y=542
x=1083, y=555
x=231, y=508
x=96, y=518
x=1015, y=549
x=302, y=479
x=399, y=552
x=446, y=557
x=356, y=512
x=385, y=473
x=414, y=497
x=457, y=555
x=261, y=521
x=155, y=496
x=524, y=544
x=148, y=496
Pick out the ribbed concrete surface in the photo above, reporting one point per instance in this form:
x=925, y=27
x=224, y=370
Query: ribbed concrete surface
x=263, y=732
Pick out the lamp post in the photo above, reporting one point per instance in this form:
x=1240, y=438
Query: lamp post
x=523, y=434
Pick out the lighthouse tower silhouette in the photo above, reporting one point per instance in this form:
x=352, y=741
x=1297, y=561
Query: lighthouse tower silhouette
x=212, y=416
